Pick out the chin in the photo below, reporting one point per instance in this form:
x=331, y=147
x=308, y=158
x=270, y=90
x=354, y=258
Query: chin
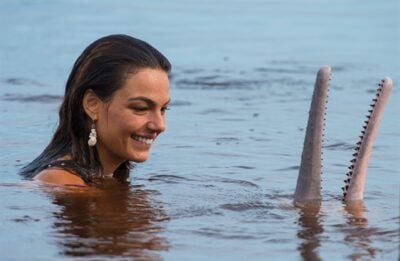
x=139, y=159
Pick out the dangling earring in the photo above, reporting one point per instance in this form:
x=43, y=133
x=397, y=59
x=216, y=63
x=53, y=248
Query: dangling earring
x=92, y=136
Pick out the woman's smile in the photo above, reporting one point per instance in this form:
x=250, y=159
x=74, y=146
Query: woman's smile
x=142, y=140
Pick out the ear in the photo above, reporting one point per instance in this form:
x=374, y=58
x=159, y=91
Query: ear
x=91, y=104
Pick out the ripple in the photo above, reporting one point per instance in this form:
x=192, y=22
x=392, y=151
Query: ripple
x=32, y=98
x=213, y=111
x=239, y=182
x=244, y=167
x=296, y=167
x=222, y=234
x=339, y=146
x=195, y=211
x=232, y=119
x=215, y=83
x=260, y=139
x=245, y=206
x=227, y=139
x=180, y=103
x=299, y=70
x=21, y=81
x=25, y=219
x=168, y=178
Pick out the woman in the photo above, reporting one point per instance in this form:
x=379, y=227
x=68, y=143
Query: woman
x=113, y=110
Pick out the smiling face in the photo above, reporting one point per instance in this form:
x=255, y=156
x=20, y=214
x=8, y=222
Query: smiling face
x=129, y=123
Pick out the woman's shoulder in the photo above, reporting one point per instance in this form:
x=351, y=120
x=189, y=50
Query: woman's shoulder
x=58, y=176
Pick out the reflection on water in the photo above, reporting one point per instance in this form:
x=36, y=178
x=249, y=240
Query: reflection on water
x=309, y=232
x=357, y=233
x=114, y=219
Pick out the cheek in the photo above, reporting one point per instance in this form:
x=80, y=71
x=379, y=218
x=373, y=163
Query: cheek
x=124, y=122
x=120, y=122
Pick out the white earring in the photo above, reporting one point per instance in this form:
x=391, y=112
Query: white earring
x=92, y=136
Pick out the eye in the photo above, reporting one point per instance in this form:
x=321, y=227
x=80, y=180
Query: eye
x=164, y=109
x=139, y=108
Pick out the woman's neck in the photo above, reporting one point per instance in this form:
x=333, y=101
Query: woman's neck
x=109, y=164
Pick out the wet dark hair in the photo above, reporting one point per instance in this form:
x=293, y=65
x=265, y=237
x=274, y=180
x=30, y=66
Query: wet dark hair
x=103, y=67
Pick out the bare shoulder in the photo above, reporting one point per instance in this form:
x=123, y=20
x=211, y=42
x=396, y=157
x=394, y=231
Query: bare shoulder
x=58, y=176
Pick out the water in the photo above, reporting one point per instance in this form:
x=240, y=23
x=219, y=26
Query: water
x=219, y=183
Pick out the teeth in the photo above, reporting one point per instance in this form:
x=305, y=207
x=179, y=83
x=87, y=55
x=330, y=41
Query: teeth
x=144, y=140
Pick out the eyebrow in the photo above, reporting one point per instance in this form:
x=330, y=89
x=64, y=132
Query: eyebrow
x=147, y=100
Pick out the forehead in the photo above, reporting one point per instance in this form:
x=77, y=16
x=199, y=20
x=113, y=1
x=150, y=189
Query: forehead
x=151, y=83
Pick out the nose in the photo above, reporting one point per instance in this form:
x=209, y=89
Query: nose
x=157, y=123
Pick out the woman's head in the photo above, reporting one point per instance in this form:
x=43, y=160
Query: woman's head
x=131, y=120
x=108, y=69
